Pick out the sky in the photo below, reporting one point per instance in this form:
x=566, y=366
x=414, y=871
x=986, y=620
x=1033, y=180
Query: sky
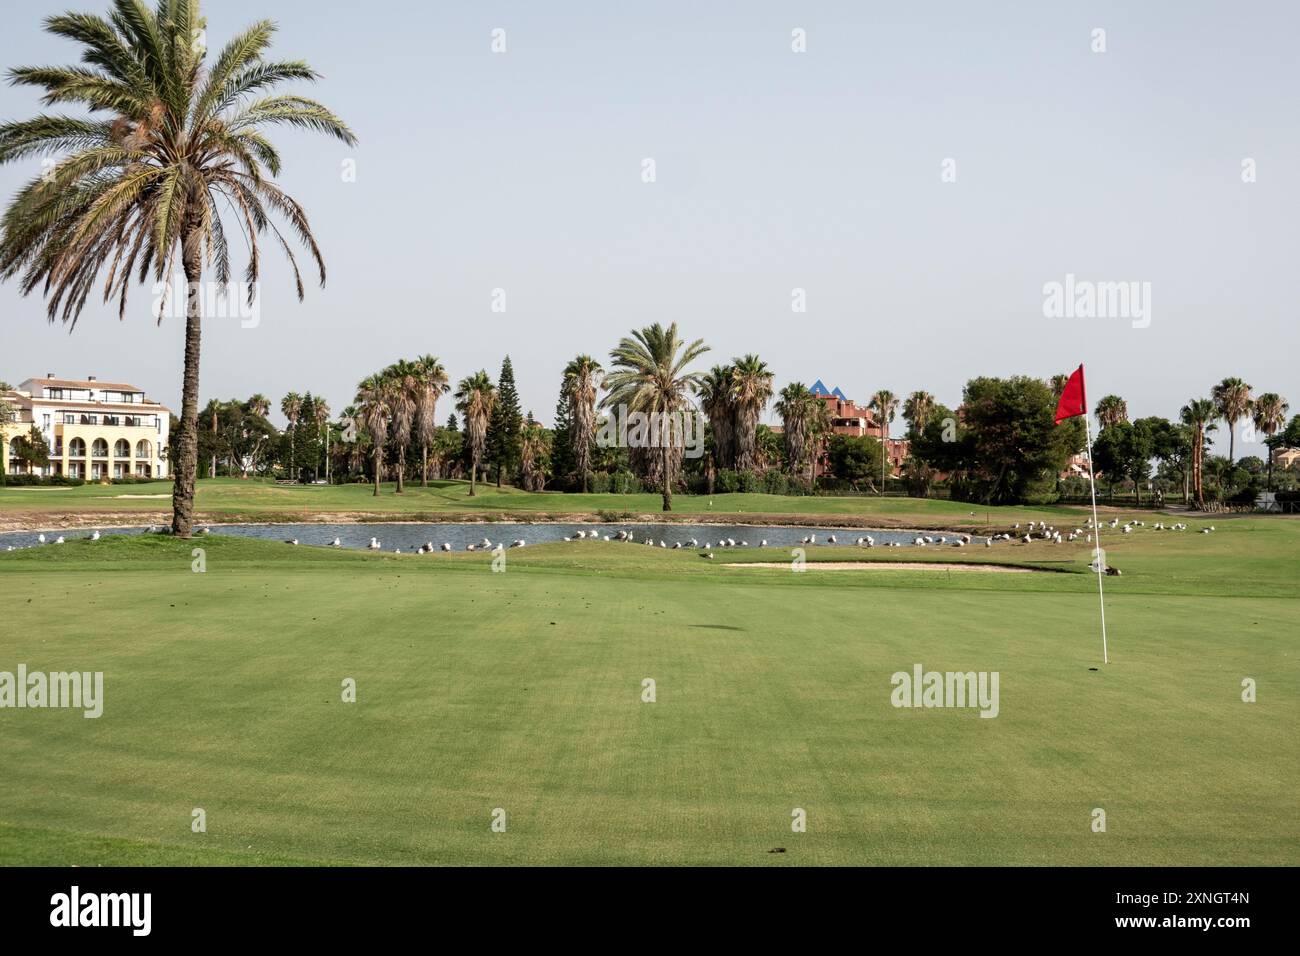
x=921, y=171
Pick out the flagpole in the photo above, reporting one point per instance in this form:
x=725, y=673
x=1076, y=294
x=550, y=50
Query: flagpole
x=1096, y=531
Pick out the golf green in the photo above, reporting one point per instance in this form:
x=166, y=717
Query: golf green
x=520, y=697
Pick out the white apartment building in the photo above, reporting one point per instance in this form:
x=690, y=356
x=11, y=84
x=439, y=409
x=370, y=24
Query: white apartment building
x=96, y=430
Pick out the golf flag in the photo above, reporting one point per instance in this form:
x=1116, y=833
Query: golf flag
x=1074, y=399
x=1073, y=402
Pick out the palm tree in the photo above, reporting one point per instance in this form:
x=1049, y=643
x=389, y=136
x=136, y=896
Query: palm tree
x=533, y=448
x=917, y=410
x=402, y=380
x=1231, y=403
x=795, y=406
x=475, y=398
x=431, y=381
x=321, y=416
x=373, y=397
x=751, y=390
x=1270, y=415
x=716, y=396
x=649, y=375
x=147, y=182
x=259, y=405
x=820, y=425
x=885, y=404
x=1111, y=410
x=1200, y=413
x=291, y=408
x=1057, y=383
x=212, y=413
x=581, y=384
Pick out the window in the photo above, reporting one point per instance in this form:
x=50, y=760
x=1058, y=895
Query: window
x=142, y=449
x=99, y=448
x=122, y=449
x=77, y=448
x=54, y=393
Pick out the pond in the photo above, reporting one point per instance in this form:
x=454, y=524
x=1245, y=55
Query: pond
x=410, y=536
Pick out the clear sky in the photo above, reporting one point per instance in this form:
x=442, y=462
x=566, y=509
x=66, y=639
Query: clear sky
x=775, y=170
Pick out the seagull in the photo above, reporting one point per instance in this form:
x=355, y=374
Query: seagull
x=374, y=544
x=336, y=543
x=41, y=537
x=763, y=543
x=293, y=541
x=831, y=539
x=518, y=544
x=59, y=539
x=94, y=536
x=446, y=546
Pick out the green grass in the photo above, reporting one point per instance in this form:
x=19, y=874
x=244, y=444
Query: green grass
x=522, y=690
x=230, y=499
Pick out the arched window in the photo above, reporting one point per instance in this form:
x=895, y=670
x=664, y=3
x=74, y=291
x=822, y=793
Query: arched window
x=77, y=448
x=99, y=448
x=142, y=449
x=122, y=448
x=13, y=448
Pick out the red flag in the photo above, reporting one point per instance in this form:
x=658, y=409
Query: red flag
x=1074, y=400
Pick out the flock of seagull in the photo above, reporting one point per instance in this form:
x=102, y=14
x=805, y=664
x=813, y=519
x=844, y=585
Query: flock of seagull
x=1036, y=531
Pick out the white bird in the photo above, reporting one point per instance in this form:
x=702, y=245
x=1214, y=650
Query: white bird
x=486, y=543
x=41, y=537
x=469, y=547
x=374, y=544
x=94, y=536
x=336, y=543
x=831, y=539
x=446, y=546
x=763, y=543
x=677, y=545
x=59, y=539
x=663, y=544
x=292, y=541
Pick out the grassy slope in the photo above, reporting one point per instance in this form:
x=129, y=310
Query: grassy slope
x=232, y=499
x=521, y=690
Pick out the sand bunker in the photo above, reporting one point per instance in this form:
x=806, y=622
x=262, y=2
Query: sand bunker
x=884, y=566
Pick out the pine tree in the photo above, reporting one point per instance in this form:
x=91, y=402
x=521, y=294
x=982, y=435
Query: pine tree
x=562, y=463
x=504, y=443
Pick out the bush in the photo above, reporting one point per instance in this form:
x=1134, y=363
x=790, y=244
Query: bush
x=749, y=483
x=624, y=483
x=776, y=483
x=726, y=482
x=43, y=481
x=598, y=483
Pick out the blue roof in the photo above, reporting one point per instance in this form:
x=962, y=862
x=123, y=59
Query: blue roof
x=840, y=395
x=819, y=389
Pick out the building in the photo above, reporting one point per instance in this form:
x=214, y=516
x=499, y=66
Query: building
x=849, y=418
x=1285, y=458
x=96, y=430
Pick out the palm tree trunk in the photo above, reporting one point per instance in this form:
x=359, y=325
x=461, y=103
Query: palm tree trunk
x=668, y=481
x=882, y=467
x=424, y=459
x=401, y=470
x=473, y=471
x=584, y=480
x=1232, y=439
x=379, y=465
x=187, y=432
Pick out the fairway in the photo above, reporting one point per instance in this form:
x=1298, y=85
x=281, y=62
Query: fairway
x=523, y=691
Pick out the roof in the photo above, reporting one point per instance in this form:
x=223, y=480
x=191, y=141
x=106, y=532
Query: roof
x=820, y=390
x=83, y=383
x=840, y=395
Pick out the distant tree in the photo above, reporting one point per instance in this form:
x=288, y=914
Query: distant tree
x=505, y=425
x=1200, y=414
x=751, y=390
x=475, y=397
x=291, y=408
x=917, y=410
x=855, y=458
x=796, y=405
x=1015, y=450
x=885, y=404
x=563, y=458
x=431, y=383
x=1123, y=452
x=717, y=401
x=1232, y=402
x=1110, y=410
x=534, y=454
x=648, y=374
x=372, y=401
x=582, y=378
x=1269, y=415
x=33, y=450
x=405, y=393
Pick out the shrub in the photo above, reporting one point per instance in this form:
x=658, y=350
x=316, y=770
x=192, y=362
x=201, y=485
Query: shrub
x=776, y=483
